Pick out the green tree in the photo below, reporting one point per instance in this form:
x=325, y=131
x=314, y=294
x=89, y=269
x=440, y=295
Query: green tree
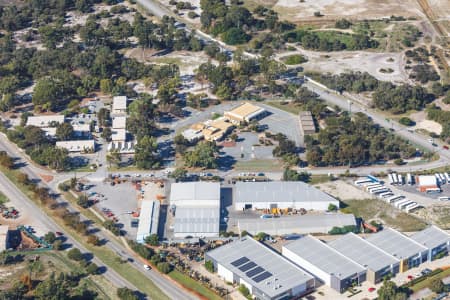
x=332, y=207
x=152, y=240
x=50, y=237
x=260, y=236
x=437, y=286
x=103, y=116
x=164, y=267
x=203, y=156
x=75, y=254
x=64, y=131
x=92, y=269
x=113, y=157
x=145, y=153
x=178, y=173
x=126, y=294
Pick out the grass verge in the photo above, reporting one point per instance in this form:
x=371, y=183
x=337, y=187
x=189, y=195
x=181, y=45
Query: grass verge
x=287, y=107
x=193, y=285
x=262, y=165
x=426, y=283
x=3, y=198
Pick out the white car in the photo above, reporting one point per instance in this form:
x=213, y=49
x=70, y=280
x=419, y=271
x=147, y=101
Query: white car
x=147, y=267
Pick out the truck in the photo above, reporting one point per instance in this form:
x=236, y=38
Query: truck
x=362, y=181
x=394, y=176
x=379, y=190
x=385, y=195
x=409, y=179
x=391, y=179
x=394, y=198
x=400, y=179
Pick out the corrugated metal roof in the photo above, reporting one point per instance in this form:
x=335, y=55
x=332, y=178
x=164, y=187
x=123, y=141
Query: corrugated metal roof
x=148, y=220
x=44, y=121
x=324, y=257
x=278, y=191
x=195, y=191
x=197, y=221
x=284, y=274
x=119, y=103
x=431, y=237
x=395, y=243
x=296, y=224
x=363, y=252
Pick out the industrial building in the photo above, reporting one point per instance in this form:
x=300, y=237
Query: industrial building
x=196, y=209
x=309, y=223
x=325, y=263
x=265, y=273
x=409, y=252
x=377, y=262
x=211, y=130
x=148, y=220
x=119, y=105
x=307, y=125
x=277, y=195
x=436, y=240
x=77, y=145
x=45, y=121
x=119, y=122
x=4, y=237
x=426, y=183
x=245, y=113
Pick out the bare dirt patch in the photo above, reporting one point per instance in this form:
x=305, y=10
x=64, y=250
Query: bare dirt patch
x=423, y=123
x=339, y=62
x=297, y=11
x=186, y=61
x=342, y=190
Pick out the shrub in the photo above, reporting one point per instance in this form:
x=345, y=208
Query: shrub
x=406, y=121
x=294, y=59
x=209, y=265
x=164, y=267
x=75, y=254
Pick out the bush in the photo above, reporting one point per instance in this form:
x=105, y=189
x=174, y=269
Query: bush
x=406, y=121
x=244, y=290
x=209, y=265
x=294, y=59
x=235, y=36
x=63, y=187
x=75, y=254
x=126, y=294
x=92, y=269
x=164, y=267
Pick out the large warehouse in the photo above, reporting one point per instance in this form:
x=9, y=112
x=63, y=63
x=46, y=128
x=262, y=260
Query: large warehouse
x=245, y=113
x=197, y=209
x=378, y=263
x=265, y=273
x=309, y=223
x=324, y=262
x=409, y=252
x=436, y=240
x=280, y=195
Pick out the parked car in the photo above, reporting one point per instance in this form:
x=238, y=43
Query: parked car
x=445, y=147
x=147, y=267
x=426, y=271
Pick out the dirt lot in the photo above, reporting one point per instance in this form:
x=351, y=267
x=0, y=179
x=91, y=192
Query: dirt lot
x=373, y=209
x=339, y=62
x=342, y=190
x=297, y=11
x=186, y=61
x=422, y=123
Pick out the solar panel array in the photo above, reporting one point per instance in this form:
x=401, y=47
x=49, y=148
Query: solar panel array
x=253, y=271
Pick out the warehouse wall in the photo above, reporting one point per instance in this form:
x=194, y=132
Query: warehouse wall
x=308, y=205
x=305, y=265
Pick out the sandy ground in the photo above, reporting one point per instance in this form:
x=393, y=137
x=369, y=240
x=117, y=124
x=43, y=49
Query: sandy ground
x=355, y=9
x=186, y=61
x=422, y=123
x=343, y=190
x=339, y=62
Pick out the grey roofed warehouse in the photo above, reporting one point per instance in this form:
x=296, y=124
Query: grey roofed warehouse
x=267, y=274
x=378, y=262
x=436, y=240
x=309, y=223
x=324, y=262
x=395, y=243
x=280, y=194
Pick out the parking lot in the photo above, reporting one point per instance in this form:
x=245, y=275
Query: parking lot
x=120, y=199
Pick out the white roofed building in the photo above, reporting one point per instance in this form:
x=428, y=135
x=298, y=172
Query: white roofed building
x=119, y=105
x=45, y=121
x=196, y=206
x=280, y=195
x=436, y=240
x=77, y=146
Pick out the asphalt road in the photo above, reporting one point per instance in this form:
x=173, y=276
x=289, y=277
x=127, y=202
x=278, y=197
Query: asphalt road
x=168, y=287
x=11, y=191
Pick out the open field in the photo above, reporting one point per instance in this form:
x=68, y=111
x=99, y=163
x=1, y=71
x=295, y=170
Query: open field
x=297, y=11
x=372, y=209
x=342, y=190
